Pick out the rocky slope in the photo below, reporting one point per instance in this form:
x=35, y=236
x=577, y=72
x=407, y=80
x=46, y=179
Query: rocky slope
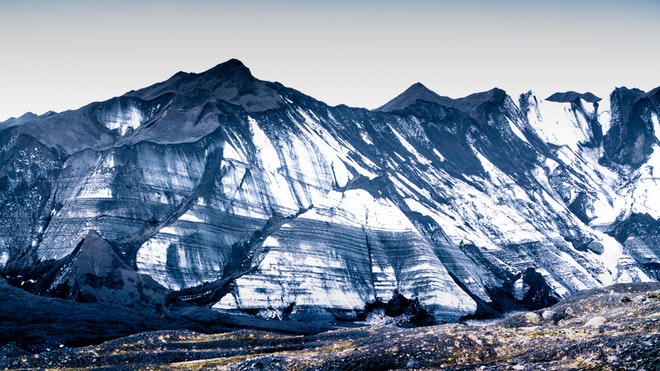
x=37, y=324
x=225, y=191
x=615, y=328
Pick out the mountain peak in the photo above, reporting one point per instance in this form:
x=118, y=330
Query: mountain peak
x=415, y=92
x=572, y=96
x=230, y=82
x=232, y=64
x=419, y=92
x=232, y=69
x=419, y=86
x=494, y=95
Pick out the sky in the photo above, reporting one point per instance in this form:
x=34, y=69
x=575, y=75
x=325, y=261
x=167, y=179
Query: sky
x=59, y=55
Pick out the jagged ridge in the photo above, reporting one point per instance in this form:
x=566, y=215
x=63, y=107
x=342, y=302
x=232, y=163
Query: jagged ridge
x=249, y=196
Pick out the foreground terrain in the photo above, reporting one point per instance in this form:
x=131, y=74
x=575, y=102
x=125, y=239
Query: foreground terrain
x=617, y=327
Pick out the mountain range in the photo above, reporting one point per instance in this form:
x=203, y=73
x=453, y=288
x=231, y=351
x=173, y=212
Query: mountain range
x=219, y=190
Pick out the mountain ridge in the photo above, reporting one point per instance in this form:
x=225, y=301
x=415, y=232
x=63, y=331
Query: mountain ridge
x=255, y=199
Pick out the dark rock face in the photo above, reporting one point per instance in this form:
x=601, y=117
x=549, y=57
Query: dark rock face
x=640, y=236
x=537, y=293
x=571, y=96
x=225, y=191
x=416, y=92
x=632, y=136
x=96, y=273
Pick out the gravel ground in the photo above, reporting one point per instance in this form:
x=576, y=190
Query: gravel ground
x=616, y=328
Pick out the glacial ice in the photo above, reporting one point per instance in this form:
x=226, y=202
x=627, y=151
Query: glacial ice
x=292, y=202
x=124, y=120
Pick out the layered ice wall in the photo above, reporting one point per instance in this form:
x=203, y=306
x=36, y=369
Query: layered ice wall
x=246, y=195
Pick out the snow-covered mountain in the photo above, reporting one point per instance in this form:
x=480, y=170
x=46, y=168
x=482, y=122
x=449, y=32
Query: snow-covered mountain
x=248, y=196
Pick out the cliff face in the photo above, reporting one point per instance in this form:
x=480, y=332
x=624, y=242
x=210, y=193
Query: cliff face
x=245, y=195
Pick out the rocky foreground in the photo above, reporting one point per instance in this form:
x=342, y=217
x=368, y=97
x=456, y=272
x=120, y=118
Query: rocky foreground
x=615, y=328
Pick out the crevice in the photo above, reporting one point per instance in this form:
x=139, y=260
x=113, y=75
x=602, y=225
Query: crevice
x=371, y=263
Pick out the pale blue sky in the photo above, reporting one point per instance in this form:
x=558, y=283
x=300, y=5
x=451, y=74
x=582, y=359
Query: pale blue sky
x=58, y=55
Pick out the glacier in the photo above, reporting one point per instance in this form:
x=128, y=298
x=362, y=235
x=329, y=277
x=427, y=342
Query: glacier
x=247, y=196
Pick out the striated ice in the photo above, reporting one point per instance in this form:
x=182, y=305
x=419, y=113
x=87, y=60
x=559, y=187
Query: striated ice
x=266, y=153
x=124, y=120
x=643, y=193
x=4, y=258
x=293, y=203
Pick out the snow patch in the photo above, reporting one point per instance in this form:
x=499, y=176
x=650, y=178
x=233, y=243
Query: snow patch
x=109, y=161
x=189, y=216
x=656, y=125
x=341, y=174
x=409, y=147
x=169, y=230
x=612, y=252
x=232, y=154
x=439, y=155
x=606, y=213
x=409, y=186
x=558, y=123
x=131, y=118
x=644, y=196
x=271, y=241
x=228, y=302
x=365, y=138
x=266, y=152
x=516, y=130
x=551, y=164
